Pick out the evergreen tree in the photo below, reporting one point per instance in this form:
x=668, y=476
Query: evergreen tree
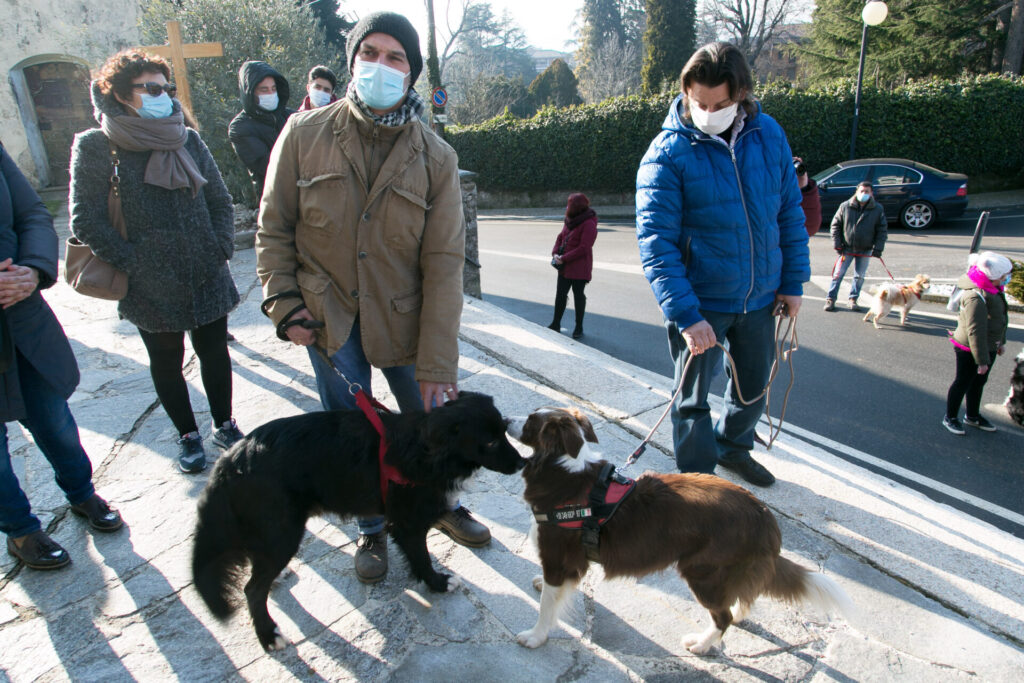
x=669, y=41
x=555, y=86
x=608, y=59
x=919, y=38
x=335, y=27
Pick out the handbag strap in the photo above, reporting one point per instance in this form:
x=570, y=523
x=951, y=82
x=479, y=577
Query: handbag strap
x=114, y=208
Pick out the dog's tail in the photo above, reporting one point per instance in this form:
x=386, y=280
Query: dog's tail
x=216, y=558
x=792, y=583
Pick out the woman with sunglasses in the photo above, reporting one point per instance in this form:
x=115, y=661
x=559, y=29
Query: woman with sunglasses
x=180, y=235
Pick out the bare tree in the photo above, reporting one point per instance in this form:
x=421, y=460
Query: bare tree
x=473, y=17
x=613, y=70
x=752, y=24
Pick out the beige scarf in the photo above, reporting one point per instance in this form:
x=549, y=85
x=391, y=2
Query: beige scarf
x=170, y=165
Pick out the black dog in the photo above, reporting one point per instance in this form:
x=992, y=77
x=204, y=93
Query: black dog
x=261, y=493
x=1015, y=399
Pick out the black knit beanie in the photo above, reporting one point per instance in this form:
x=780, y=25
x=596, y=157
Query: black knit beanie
x=396, y=26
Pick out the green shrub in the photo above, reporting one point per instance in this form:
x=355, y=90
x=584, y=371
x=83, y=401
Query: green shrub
x=967, y=126
x=1016, y=286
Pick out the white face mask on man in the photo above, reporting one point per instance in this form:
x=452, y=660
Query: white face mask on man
x=713, y=122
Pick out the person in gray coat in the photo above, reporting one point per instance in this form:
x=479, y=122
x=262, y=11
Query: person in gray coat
x=859, y=230
x=38, y=373
x=180, y=236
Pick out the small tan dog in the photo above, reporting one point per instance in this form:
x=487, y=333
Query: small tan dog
x=891, y=294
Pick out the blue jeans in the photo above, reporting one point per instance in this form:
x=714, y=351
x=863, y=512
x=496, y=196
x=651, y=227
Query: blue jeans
x=859, y=270
x=750, y=338
x=49, y=420
x=335, y=394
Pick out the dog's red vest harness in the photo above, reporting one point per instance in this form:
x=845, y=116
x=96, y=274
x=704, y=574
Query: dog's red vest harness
x=388, y=473
x=604, y=498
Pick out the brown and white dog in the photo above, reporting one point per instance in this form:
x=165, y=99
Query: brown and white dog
x=891, y=294
x=723, y=541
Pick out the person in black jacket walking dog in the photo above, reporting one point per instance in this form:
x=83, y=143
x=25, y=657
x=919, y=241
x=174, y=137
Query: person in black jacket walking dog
x=858, y=233
x=38, y=374
x=254, y=130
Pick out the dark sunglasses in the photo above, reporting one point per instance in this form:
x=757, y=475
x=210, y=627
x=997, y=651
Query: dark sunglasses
x=155, y=89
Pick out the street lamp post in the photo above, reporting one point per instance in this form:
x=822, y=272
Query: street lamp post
x=873, y=14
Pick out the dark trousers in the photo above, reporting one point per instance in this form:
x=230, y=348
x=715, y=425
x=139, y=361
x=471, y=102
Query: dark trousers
x=967, y=383
x=53, y=428
x=699, y=444
x=166, y=354
x=579, y=300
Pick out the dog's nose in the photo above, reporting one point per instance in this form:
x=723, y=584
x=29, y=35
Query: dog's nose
x=514, y=426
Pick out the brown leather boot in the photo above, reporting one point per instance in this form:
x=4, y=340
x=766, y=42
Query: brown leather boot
x=463, y=529
x=372, y=557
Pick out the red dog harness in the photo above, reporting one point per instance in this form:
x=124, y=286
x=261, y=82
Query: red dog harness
x=388, y=473
x=604, y=498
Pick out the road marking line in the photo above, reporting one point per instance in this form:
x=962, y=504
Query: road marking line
x=887, y=466
x=600, y=265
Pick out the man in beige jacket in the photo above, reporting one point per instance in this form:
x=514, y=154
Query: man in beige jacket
x=361, y=228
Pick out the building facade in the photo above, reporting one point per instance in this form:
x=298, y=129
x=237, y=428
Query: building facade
x=47, y=52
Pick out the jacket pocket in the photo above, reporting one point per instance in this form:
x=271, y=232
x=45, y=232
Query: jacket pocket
x=322, y=200
x=405, y=218
x=313, y=287
x=405, y=322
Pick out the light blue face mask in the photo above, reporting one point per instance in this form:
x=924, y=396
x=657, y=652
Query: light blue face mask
x=379, y=86
x=319, y=98
x=269, y=102
x=159, y=107
x=863, y=197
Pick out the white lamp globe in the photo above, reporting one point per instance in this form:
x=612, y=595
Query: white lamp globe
x=874, y=12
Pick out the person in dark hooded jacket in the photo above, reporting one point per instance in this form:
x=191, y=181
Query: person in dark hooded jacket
x=38, y=374
x=254, y=130
x=859, y=231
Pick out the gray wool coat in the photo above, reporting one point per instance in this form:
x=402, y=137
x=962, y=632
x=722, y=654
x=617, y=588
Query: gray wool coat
x=178, y=246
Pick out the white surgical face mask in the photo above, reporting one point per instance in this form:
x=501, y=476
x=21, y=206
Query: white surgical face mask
x=713, y=122
x=269, y=102
x=319, y=98
x=379, y=86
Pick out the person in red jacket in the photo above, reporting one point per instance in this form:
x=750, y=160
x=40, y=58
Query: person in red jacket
x=810, y=200
x=573, y=258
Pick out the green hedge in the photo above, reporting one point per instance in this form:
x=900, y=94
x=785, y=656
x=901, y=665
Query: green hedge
x=972, y=126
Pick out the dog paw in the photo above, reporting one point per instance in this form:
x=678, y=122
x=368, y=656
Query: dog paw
x=279, y=642
x=538, y=582
x=700, y=643
x=441, y=583
x=530, y=639
x=453, y=583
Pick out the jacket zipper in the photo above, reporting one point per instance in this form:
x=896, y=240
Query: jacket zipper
x=746, y=214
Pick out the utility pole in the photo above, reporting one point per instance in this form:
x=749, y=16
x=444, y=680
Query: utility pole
x=434, y=74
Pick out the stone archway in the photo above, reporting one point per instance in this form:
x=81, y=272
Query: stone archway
x=53, y=96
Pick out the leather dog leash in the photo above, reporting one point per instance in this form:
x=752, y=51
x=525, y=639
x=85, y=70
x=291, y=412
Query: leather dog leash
x=773, y=430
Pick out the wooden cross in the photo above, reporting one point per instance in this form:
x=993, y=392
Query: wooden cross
x=178, y=52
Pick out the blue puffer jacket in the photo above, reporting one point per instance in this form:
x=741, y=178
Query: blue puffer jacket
x=720, y=229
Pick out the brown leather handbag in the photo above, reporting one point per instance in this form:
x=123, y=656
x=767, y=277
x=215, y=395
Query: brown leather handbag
x=86, y=272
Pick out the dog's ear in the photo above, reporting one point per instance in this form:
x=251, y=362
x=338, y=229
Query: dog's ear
x=560, y=435
x=584, y=423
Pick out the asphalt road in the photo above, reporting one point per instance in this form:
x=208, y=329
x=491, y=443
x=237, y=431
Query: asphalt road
x=874, y=397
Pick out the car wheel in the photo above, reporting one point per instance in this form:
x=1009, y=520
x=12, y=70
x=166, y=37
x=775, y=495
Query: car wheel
x=917, y=215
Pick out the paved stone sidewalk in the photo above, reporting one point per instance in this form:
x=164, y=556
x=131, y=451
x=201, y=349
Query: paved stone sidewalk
x=941, y=595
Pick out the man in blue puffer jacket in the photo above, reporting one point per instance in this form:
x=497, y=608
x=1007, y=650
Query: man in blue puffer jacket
x=723, y=244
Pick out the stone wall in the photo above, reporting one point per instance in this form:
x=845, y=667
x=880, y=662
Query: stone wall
x=471, y=273
x=83, y=32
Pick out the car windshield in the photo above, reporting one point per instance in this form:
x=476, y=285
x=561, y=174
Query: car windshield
x=818, y=177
